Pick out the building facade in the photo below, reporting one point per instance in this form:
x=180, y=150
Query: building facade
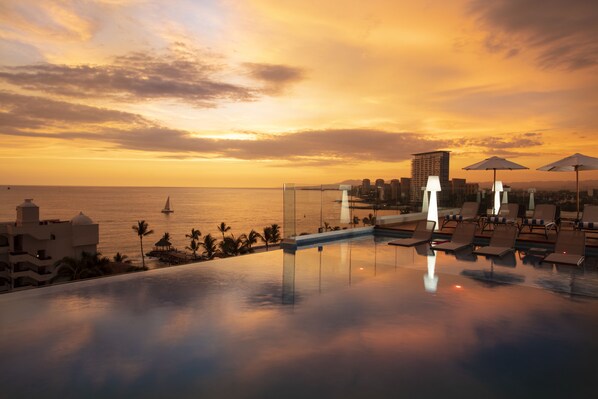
x=30, y=247
x=435, y=163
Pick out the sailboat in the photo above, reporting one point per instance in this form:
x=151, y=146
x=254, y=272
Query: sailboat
x=167, y=206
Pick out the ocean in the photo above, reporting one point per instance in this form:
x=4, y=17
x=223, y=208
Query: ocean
x=117, y=209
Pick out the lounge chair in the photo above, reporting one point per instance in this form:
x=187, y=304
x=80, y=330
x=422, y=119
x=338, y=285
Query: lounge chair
x=544, y=217
x=507, y=214
x=502, y=241
x=569, y=248
x=462, y=237
x=589, y=218
x=468, y=212
x=422, y=234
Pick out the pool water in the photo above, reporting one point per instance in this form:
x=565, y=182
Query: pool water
x=351, y=319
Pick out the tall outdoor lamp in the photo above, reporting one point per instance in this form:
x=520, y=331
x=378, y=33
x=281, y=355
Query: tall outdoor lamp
x=532, y=205
x=497, y=189
x=433, y=186
x=425, y=200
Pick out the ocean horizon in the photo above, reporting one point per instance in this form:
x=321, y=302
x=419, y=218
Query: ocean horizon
x=117, y=209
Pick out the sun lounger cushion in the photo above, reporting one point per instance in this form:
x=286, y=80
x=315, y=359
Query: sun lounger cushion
x=568, y=259
x=497, y=219
x=493, y=251
x=450, y=246
x=534, y=222
x=458, y=218
x=407, y=242
x=587, y=225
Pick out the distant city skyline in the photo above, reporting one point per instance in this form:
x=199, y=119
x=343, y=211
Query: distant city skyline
x=259, y=93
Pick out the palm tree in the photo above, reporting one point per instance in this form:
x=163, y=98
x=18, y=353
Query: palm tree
x=209, y=245
x=231, y=246
x=355, y=220
x=370, y=219
x=142, y=230
x=118, y=258
x=223, y=228
x=266, y=237
x=275, y=233
x=195, y=234
x=194, y=246
x=88, y=265
x=250, y=239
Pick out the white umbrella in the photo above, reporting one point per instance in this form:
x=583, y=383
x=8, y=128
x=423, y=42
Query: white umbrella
x=575, y=162
x=495, y=163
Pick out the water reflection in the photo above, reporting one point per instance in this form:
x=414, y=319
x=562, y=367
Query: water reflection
x=359, y=324
x=338, y=266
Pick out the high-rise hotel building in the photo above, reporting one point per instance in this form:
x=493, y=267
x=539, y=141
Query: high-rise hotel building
x=435, y=163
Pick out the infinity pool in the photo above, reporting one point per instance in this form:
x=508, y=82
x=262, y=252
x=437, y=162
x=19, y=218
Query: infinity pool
x=350, y=320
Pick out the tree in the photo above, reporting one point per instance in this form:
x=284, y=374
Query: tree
x=355, y=220
x=370, y=219
x=271, y=235
x=231, y=246
x=223, y=228
x=266, y=236
x=118, y=258
x=194, y=246
x=142, y=230
x=209, y=245
x=250, y=239
x=88, y=265
x=275, y=233
x=195, y=234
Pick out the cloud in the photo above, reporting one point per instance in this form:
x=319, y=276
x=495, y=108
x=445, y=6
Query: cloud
x=29, y=116
x=36, y=116
x=39, y=117
x=509, y=141
x=135, y=77
x=276, y=77
x=563, y=32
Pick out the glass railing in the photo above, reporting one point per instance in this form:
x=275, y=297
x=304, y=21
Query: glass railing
x=321, y=208
x=329, y=207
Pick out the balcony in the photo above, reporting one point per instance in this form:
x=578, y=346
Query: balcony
x=22, y=256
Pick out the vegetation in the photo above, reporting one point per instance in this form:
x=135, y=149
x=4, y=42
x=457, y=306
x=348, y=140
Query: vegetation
x=223, y=228
x=271, y=235
x=210, y=246
x=87, y=266
x=370, y=219
x=143, y=230
x=118, y=258
x=232, y=246
x=194, y=246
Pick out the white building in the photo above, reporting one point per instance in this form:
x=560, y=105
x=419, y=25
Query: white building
x=30, y=247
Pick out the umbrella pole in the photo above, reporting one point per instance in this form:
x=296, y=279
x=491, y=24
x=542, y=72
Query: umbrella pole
x=577, y=187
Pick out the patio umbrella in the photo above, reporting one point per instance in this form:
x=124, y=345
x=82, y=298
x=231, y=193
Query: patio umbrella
x=495, y=163
x=575, y=162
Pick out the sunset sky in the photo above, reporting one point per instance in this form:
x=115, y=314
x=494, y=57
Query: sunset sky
x=263, y=92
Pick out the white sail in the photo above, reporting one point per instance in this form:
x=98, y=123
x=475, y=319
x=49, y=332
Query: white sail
x=167, y=206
